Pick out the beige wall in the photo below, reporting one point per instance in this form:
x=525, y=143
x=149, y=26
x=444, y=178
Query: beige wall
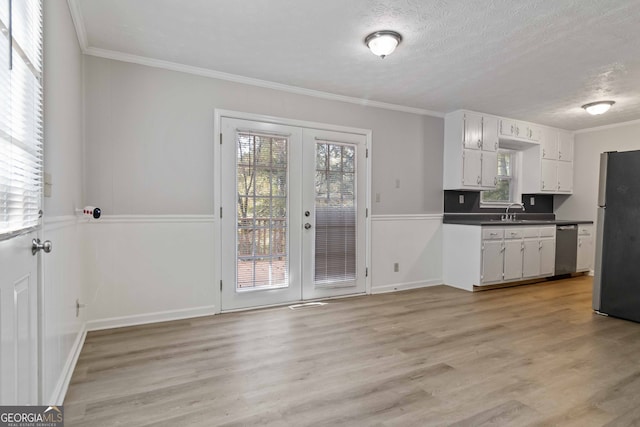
x=150, y=140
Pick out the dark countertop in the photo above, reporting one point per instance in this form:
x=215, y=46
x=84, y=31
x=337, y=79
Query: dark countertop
x=521, y=222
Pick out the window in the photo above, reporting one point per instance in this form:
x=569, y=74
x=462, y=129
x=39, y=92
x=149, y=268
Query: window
x=20, y=116
x=505, y=189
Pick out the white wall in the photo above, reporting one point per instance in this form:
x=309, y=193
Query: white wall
x=63, y=273
x=149, y=154
x=583, y=204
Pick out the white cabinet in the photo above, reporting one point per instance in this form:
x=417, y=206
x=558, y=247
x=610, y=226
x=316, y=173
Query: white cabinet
x=512, y=260
x=584, y=258
x=565, y=146
x=547, y=256
x=531, y=258
x=548, y=168
x=470, y=158
x=516, y=130
x=565, y=177
x=492, y=261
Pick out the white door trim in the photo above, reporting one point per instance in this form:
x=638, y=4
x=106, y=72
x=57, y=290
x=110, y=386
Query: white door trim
x=217, y=127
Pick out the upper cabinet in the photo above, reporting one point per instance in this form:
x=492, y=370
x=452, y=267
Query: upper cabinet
x=470, y=151
x=513, y=129
x=548, y=167
x=471, y=142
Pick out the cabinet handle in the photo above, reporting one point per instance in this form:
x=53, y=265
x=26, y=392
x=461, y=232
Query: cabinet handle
x=539, y=246
x=544, y=153
x=479, y=143
x=559, y=154
x=493, y=234
x=512, y=130
x=543, y=185
x=502, y=249
x=495, y=146
x=479, y=180
x=495, y=181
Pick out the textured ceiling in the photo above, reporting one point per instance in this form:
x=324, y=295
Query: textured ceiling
x=536, y=60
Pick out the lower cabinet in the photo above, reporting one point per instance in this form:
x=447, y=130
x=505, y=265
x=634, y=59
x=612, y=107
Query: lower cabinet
x=584, y=258
x=488, y=255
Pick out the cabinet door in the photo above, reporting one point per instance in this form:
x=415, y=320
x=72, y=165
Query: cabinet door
x=489, y=133
x=549, y=144
x=492, y=261
x=548, y=175
x=512, y=259
x=471, y=168
x=472, y=131
x=585, y=253
x=547, y=257
x=507, y=127
x=533, y=133
x=565, y=146
x=531, y=258
x=565, y=176
x=489, y=169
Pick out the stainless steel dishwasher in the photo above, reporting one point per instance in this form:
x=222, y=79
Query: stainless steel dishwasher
x=566, y=248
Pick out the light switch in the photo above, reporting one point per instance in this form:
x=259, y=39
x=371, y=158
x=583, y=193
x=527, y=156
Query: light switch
x=461, y=199
x=532, y=201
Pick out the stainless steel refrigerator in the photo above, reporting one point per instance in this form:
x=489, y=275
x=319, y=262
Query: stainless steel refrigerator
x=616, y=284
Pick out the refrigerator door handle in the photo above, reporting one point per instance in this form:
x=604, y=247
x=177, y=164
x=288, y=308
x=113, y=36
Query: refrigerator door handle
x=602, y=183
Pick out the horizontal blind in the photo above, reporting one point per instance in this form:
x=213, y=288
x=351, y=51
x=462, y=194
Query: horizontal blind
x=336, y=214
x=21, y=126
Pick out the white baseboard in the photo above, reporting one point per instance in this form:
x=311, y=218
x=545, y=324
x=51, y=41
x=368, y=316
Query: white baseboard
x=394, y=287
x=141, y=319
x=60, y=391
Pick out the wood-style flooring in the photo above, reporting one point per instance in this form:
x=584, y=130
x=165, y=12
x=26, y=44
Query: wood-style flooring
x=529, y=355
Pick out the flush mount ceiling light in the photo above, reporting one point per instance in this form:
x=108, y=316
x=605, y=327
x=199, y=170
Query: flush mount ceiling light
x=596, y=108
x=382, y=43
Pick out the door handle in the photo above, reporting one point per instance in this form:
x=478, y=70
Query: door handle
x=37, y=245
x=307, y=226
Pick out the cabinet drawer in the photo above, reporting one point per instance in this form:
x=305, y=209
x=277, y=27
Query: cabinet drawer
x=548, y=231
x=513, y=233
x=584, y=230
x=531, y=232
x=492, y=233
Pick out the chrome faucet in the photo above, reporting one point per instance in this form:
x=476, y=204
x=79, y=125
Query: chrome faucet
x=511, y=217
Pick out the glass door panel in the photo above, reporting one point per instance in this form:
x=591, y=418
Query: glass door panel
x=261, y=253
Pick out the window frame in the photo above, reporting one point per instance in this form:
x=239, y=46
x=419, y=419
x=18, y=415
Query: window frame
x=513, y=178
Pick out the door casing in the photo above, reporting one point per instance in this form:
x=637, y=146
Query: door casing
x=221, y=113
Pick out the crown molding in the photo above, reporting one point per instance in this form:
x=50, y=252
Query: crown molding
x=78, y=23
x=219, y=75
x=605, y=127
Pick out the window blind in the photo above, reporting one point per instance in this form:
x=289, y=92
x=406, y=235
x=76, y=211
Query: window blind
x=336, y=215
x=21, y=121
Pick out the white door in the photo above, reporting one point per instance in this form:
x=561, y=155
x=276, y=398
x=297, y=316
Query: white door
x=261, y=226
x=334, y=200
x=547, y=257
x=489, y=133
x=512, y=259
x=471, y=168
x=492, y=261
x=293, y=221
x=489, y=169
x=549, y=175
x=531, y=259
x=18, y=321
x=472, y=131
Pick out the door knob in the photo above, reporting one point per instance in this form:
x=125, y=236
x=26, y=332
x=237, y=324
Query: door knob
x=307, y=226
x=36, y=245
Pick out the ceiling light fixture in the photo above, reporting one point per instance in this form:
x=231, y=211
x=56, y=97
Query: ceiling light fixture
x=383, y=43
x=596, y=108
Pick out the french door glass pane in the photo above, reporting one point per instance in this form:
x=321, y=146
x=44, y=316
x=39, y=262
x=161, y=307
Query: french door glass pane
x=262, y=237
x=335, y=207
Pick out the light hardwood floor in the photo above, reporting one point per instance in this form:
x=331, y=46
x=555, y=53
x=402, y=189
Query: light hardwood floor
x=530, y=355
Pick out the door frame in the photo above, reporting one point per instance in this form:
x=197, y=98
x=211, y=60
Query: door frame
x=217, y=202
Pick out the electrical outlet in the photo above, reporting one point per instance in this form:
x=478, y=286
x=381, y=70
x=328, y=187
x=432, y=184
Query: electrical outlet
x=377, y=197
x=461, y=199
x=396, y=267
x=532, y=201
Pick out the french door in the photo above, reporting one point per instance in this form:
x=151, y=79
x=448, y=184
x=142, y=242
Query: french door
x=293, y=218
